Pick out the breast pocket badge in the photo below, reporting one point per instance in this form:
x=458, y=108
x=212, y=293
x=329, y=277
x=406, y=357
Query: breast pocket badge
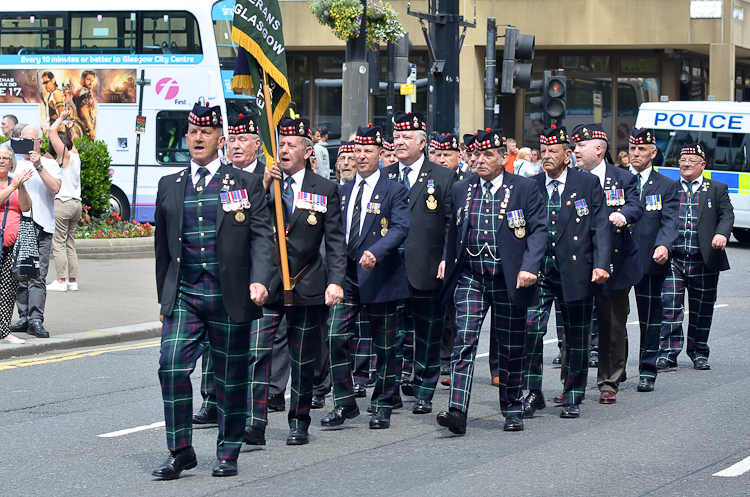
x=432, y=203
x=383, y=226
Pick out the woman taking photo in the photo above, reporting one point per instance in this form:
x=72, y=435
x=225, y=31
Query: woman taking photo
x=14, y=199
x=67, y=208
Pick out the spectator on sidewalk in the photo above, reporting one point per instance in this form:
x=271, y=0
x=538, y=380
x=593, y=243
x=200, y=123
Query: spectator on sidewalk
x=67, y=208
x=14, y=199
x=512, y=154
x=42, y=187
x=7, y=124
x=523, y=166
x=320, y=139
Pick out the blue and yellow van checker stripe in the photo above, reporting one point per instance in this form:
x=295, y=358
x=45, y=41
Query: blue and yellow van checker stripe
x=738, y=183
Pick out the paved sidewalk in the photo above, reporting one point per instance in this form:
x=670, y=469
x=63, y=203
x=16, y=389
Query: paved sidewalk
x=116, y=302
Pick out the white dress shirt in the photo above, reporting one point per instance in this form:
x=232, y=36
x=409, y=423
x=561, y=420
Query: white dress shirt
x=415, y=168
x=695, y=185
x=600, y=171
x=212, y=167
x=496, y=184
x=560, y=183
x=367, y=190
x=645, y=174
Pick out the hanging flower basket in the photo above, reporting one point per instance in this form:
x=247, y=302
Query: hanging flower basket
x=344, y=17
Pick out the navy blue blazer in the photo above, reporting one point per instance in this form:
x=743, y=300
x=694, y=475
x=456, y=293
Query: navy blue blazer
x=582, y=242
x=657, y=227
x=626, y=270
x=715, y=217
x=387, y=280
x=517, y=254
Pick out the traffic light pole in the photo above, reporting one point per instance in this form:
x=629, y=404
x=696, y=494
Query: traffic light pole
x=444, y=68
x=389, y=77
x=355, y=82
x=489, y=75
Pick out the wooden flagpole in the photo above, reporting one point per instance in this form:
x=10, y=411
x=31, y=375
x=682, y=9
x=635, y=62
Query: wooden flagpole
x=280, y=227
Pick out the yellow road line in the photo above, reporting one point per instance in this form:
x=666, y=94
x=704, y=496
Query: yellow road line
x=34, y=361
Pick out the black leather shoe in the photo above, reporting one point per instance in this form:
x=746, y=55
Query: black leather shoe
x=701, y=363
x=360, y=390
x=339, y=415
x=206, y=417
x=297, y=437
x=20, y=326
x=513, y=423
x=397, y=402
x=533, y=402
x=380, y=421
x=445, y=369
x=318, y=402
x=422, y=407
x=407, y=389
x=594, y=359
x=37, y=330
x=646, y=384
x=454, y=420
x=276, y=402
x=557, y=360
x=571, y=411
x=664, y=364
x=254, y=436
x=225, y=467
x=371, y=381
x=176, y=463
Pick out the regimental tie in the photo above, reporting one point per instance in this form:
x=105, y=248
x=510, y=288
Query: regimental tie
x=202, y=173
x=640, y=184
x=555, y=197
x=689, y=187
x=405, y=177
x=351, y=246
x=287, y=197
x=487, y=191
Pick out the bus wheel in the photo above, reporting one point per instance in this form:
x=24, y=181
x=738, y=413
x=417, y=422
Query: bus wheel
x=118, y=203
x=742, y=235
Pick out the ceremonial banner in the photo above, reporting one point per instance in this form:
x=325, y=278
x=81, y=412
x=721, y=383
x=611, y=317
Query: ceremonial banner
x=256, y=28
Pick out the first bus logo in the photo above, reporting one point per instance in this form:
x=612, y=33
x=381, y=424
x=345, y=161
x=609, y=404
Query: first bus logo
x=168, y=88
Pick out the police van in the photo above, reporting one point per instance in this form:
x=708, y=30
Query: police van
x=722, y=129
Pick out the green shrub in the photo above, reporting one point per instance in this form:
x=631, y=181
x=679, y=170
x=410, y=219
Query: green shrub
x=95, y=174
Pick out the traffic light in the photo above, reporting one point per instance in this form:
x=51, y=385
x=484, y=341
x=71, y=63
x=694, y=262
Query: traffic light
x=517, y=47
x=552, y=98
x=402, y=68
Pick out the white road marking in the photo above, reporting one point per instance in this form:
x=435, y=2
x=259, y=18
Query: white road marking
x=132, y=430
x=736, y=469
x=716, y=306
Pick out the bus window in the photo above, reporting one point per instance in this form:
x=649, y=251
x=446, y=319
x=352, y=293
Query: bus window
x=171, y=146
x=107, y=33
x=32, y=33
x=171, y=33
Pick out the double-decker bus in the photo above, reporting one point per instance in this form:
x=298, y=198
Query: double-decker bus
x=723, y=130
x=88, y=57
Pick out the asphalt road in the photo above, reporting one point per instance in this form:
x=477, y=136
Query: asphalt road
x=669, y=442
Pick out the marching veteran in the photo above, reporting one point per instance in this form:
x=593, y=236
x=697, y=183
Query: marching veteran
x=497, y=237
x=213, y=266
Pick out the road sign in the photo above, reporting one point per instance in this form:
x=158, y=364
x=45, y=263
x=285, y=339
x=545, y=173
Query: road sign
x=407, y=89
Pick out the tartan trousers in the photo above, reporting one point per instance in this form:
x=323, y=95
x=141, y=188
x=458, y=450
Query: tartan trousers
x=404, y=341
x=474, y=295
x=364, y=359
x=650, y=311
x=428, y=318
x=199, y=314
x=341, y=328
x=575, y=319
x=688, y=273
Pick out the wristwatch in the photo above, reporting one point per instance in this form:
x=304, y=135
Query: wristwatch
x=39, y=168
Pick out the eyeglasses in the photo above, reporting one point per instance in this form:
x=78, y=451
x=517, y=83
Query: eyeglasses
x=692, y=162
x=5, y=159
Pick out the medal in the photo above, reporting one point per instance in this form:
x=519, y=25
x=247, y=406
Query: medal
x=431, y=202
x=430, y=187
x=312, y=220
x=239, y=216
x=520, y=232
x=648, y=207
